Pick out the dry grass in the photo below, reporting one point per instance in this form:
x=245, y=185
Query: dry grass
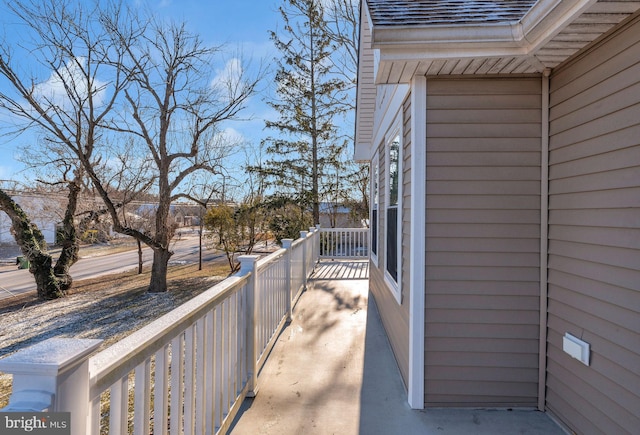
x=109, y=307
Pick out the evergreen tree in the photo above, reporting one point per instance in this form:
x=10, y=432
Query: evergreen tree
x=307, y=144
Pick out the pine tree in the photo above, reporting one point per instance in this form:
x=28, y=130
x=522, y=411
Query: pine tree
x=307, y=144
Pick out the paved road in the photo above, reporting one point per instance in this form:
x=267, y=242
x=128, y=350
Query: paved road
x=14, y=282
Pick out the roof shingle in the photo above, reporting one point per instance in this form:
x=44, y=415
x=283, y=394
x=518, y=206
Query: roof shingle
x=446, y=12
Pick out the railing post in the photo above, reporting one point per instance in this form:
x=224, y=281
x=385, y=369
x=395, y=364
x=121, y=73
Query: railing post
x=52, y=376
x=318, y=242
x=303, y=236
x=286, y=244
x=249, y=266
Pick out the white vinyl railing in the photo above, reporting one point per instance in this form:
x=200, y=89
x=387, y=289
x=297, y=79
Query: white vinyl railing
x=186, y=372
x=344, y=243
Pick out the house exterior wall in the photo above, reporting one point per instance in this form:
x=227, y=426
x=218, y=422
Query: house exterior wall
x=594, y=236
x=44, y=211
x=395, y=316
x=482, y=247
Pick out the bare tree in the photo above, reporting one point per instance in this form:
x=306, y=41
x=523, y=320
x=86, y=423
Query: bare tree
x=168, y=116
x=175, y=109
x=67, y=107
x=341, y=26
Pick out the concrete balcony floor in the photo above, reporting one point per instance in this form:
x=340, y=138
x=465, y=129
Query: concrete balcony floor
x=332, y=371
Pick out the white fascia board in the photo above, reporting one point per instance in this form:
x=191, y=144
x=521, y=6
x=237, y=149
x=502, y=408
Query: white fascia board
x=480, y=34
x=547, y=18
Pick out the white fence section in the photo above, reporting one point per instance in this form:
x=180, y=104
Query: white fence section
x=186, y=372
x=344, y=243
x=298, y=276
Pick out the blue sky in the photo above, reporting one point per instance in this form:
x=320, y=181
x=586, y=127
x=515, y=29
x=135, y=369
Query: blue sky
x=242, y=25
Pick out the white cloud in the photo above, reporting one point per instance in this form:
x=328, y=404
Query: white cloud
x=229, y=78
x=231, y=136
x=54, y=93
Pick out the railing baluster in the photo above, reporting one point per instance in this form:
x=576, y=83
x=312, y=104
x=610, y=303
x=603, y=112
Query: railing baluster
x=119, y=407
x=209, y=383
x=233, y=341
x=344, y=243
x=189, y=380
x=161, y=392
x=177, y=385
x=226, y=397
x=94, y=421
x=241, y=337
x=200, y=375
x=219, y=359
x=142, y=398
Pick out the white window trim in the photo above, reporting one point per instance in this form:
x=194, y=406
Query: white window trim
x=396, y=130
x=375, y=200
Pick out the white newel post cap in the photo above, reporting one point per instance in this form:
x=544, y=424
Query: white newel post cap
x=51, y=357
x=247, y=263
x=286, y=243
x=52, y=375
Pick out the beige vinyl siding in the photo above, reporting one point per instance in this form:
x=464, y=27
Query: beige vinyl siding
x=594, y=236
x=395, y=317
x=366, y=92
x=406, y=203
x=483, y=229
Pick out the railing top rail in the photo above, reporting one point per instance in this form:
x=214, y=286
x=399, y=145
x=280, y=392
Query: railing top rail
x=116, y=361
x=344, y=230
x=265, y=261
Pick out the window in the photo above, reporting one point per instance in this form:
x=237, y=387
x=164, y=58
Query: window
x=393, y=211
x=374, y=207
x=392, y=207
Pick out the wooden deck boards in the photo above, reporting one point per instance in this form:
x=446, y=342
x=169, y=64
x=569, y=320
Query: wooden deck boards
x=331, y=270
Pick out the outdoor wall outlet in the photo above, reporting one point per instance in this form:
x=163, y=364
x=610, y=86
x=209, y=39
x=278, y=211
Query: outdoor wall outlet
x=575, y=347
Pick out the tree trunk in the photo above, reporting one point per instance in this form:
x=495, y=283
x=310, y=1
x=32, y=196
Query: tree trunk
x=47, y=284
x=200, y=248
x=70, y=245
x=159, y=269
x=139, y=256
x=33, y=247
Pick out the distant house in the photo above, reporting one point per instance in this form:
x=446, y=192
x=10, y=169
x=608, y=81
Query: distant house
x=335, y=215
x=182, y=215
x=43, y=210
x=504, y=143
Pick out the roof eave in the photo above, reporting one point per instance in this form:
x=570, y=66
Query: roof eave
x=463, y=41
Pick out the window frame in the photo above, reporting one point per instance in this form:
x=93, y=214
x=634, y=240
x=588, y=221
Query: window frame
x=395, y=285
x=375, y=206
